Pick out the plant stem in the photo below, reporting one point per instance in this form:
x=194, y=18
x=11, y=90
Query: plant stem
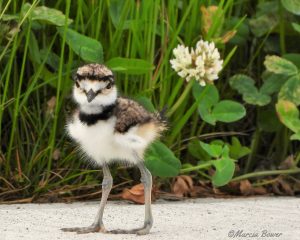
x=297, y=159
x=282, y=29
x=16, y=110
x=266, y=173
x=282, y=147
x=186, y=116
x=194, y=168
x=181, y=98
x=254, y=146
x=52, y=137
x=5, y=8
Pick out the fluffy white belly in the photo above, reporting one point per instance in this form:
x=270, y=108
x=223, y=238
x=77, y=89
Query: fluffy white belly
x=100, y=142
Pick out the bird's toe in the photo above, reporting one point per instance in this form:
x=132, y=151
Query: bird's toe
x=139, y=231
x=143, y=231
x=82, y=230
x=69, y=229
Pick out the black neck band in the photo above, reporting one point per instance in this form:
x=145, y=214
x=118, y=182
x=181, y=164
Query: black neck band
x=92, y=118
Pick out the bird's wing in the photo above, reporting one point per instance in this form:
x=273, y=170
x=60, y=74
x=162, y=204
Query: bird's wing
x=129, y=114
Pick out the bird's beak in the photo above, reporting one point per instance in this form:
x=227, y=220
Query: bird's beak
x=90, y=95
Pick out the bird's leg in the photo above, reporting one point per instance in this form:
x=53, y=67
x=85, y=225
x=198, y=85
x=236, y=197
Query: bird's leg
x=98, y=225
x=146, y=179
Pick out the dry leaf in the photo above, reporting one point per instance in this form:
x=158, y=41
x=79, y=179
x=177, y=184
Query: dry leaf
x=287, y=163
x=2, y=158
x=286, y=187
x=211, y=172
x=296, y=188
x=135, y=194
x=281, y=187
x=228, y=35
x=234, y=185
x=56, y=154
x=207, y=17
x=275, y=188
x=246, y=187
x=51, y=105
x=218, y=191
x=260, y=190
x=11, y=34
x=232, y=188
x=182, y=186
x=237, y=169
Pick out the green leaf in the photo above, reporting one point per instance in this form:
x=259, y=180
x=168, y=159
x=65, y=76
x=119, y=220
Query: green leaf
x=212, y=149
x=217, y=142
x=9, y=17
x=49, y=77
x=228, y=111
x=52, y=79
x=242, y=83
x=224, y=171
x=272, y=82
x=196, y=150
x=210, y=110
x=146, y=103
x=237, y=150
x=47, y=15
x=256, y=98
x=280, y=65
x=267, y=119
x=294, y=58
x=52, y=58
x=243, y=31
x=130, y=65
x=87, y=48
x=206, y=115
x=211, y=94
x=161, y=161
x=292, y=6
x=296, y=27
x=225, y=152
x=245, y=86
x=50, y=15
x=118, y=12
x=209, y=99
x=34, y=49
x=289, y=115
x=265, y=19
x=295, y=136
x=291, y=90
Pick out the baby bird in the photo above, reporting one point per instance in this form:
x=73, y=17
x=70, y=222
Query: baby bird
x=111, y=128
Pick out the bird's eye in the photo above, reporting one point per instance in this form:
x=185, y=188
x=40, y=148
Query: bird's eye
x=77, y=84
x=108, y=86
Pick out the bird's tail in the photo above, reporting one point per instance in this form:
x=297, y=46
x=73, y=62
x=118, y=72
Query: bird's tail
x=163, y=114
x=162, y=119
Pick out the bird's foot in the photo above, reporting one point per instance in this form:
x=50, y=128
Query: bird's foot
x=82, y=230
x=139, y=231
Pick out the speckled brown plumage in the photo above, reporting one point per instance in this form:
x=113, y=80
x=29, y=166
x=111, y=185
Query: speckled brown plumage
x=94, y=72
x=130, y=113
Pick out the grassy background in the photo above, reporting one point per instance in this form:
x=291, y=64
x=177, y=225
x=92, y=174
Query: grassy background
x=36, y=63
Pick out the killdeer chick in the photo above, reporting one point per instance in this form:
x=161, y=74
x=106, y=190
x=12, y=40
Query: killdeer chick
x=110, y=128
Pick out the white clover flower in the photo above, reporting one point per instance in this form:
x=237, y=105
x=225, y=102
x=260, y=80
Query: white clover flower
x=202, y=63
x=182, y=53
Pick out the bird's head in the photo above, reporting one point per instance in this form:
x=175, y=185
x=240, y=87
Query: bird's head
x=94, y=86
